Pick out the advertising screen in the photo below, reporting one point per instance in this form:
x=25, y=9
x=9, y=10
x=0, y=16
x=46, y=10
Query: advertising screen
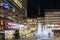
x=11, y=26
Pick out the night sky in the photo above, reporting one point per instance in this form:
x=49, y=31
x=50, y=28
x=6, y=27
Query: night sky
x=44, y=4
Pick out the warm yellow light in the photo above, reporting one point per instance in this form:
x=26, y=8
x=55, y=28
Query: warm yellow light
x=24, y=23
x=2, y=15
x=18, y=3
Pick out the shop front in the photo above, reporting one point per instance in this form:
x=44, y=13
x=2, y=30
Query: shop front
x=11, y=30
x=26, y=32
x=55, y=28
x=9, y=34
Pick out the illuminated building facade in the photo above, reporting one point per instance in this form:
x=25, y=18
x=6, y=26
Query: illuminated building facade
x=52, y=17
x=31, y=22
x=11, y=11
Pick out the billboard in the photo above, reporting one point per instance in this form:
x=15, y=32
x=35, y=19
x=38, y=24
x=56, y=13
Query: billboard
x=13, y=26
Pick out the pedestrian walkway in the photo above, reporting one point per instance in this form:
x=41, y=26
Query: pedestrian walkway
x=45, y=39
x=48, y=39
x=32, y=38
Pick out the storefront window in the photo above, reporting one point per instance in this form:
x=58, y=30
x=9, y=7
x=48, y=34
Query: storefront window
x=9, y=34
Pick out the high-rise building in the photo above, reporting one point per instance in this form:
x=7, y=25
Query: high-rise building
x=52, y=16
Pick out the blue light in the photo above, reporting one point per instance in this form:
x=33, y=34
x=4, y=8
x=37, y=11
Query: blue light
x=5, y=5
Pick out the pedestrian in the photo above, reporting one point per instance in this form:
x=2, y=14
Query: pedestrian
x=49, y=34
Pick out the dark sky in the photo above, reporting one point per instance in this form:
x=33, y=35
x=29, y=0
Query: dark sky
x=44, y=4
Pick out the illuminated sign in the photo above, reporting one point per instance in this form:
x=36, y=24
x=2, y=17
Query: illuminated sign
x=12, y=26
x=5, y=5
